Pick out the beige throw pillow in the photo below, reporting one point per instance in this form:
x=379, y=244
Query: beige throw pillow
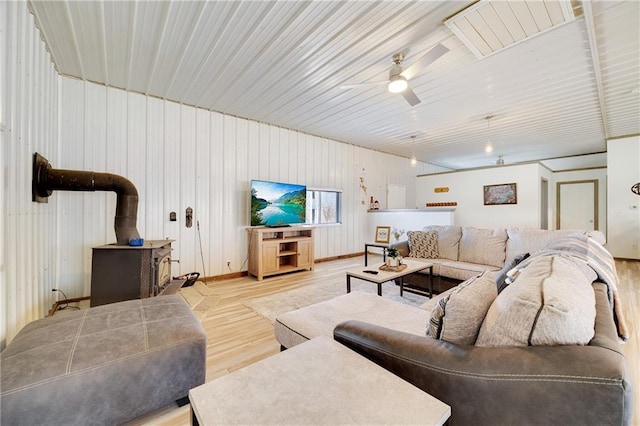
x=551, y=302
x=457, y=318
x=423, y=244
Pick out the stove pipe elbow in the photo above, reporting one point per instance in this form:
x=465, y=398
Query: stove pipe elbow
x=47, y=179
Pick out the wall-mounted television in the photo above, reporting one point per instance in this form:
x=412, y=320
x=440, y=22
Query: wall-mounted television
x=277, y=204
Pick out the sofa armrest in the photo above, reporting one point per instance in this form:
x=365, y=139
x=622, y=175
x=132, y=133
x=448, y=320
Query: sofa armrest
x=508, y=385
x=402, y=246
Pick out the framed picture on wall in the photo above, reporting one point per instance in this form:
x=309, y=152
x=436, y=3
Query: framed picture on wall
x=505, y=193
x=382, y=234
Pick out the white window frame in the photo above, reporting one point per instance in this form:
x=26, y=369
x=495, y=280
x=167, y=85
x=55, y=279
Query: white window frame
x=314, y=215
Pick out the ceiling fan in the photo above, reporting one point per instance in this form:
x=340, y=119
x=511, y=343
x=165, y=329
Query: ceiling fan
x=399, y=77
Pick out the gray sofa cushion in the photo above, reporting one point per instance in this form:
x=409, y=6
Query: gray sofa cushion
x=483, y=246
x=448, y=240
x=550, y=303
x=463, y=270
x=104, y=365
x=530, y=240
x=457, y=317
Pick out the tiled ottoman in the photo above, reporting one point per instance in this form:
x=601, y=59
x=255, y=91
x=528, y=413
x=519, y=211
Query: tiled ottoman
x=104, y=365
x=319, y=382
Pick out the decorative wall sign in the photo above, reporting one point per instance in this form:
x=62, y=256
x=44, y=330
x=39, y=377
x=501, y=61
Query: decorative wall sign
x=500, y=194
x=442, y=204
x=441, y=189
x=636, y=188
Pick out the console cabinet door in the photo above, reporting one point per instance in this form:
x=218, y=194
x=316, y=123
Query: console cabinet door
x=304, y=253
x=270, y=259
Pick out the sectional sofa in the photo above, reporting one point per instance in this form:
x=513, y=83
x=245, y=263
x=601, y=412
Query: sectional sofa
x=545, y=350
x=463, y=251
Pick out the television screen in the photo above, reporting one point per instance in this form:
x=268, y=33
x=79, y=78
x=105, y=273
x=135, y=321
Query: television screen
x=277, y=204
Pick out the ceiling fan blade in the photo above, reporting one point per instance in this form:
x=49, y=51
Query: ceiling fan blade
x=358, y=85
x=411, y=97
x=426, y=60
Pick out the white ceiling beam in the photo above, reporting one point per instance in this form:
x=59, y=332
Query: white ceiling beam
x=595, y=58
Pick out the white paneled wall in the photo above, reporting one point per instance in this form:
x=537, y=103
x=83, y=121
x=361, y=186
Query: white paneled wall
x=177, y=156
x=28, y=124
x=180, y=156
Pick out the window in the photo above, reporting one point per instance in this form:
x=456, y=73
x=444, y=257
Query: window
x=323, y=206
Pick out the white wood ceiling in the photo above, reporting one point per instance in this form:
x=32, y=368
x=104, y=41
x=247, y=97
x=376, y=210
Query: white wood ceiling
x=559, y=94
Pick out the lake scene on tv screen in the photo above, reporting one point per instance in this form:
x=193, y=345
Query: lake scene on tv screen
x=277, y=204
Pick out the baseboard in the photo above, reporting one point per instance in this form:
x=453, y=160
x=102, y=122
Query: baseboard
x=64, y=302
x=342, y=256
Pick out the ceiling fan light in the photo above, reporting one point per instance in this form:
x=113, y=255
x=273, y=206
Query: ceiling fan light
x=397, y=84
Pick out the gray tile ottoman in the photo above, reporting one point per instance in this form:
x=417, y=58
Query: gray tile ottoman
x=104, y=365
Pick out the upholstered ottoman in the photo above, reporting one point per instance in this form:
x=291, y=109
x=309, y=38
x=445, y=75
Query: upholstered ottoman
x=319, y=382
x=104, y=365
x=295, y=327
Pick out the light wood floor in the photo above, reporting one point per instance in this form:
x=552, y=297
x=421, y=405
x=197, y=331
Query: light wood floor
x=237, y=336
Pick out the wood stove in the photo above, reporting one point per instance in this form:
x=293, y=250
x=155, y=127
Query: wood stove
x=130, y=272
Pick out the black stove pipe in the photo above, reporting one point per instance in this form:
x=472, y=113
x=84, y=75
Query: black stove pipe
x=47, y=179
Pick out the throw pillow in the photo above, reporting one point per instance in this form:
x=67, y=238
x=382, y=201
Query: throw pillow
x=457, y=318
x=501, y=277
x=423, y=244
x=550, y=303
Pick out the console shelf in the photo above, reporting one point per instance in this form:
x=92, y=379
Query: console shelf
x=276, y=251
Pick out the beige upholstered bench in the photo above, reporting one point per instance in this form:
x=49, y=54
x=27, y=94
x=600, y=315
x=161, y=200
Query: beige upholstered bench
x=295, y=327
x=104, y=365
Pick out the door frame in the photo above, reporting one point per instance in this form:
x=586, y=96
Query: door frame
x=595, y=200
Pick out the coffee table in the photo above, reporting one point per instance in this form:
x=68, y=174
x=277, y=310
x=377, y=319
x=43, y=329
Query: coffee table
x=384, y=276
x=319, y=382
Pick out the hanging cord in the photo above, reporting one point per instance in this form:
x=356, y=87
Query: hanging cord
x=204, y=273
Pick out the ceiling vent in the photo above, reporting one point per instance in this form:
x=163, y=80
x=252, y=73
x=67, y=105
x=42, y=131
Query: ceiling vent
x=489, y=26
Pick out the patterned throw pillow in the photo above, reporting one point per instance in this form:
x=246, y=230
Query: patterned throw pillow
x=458, y=317
x=423, y=244
x=501, y=277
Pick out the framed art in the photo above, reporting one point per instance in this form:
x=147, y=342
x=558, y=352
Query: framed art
x=382, y=234
x=505, y=193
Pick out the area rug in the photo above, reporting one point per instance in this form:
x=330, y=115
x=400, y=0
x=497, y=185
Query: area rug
x=271, y=306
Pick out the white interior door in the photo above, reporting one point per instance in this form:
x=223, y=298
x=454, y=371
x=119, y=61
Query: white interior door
x=578, y=205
